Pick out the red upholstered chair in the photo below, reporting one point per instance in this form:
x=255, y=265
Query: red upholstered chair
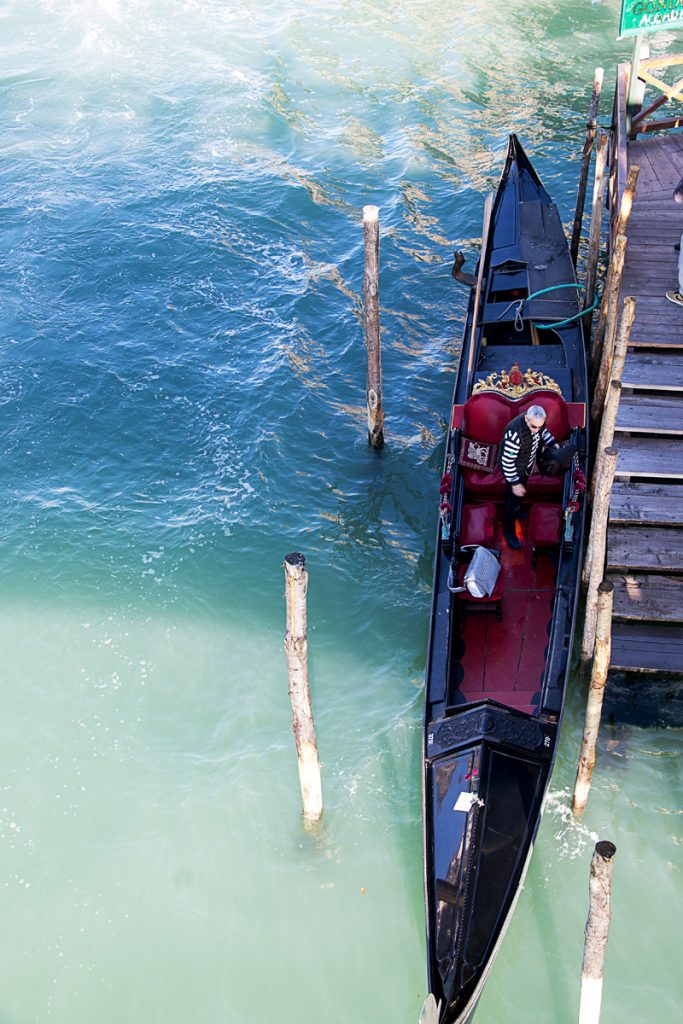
x=492, y=603
x=545, y=528
x=478, y=524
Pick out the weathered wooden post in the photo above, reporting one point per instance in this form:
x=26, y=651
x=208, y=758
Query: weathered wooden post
x=596, y=224
x=608, y=294
x=610, y=411
x=627, y=200
x=601, y=657
x=585, y=162
x=607, y=427
x=613, y=355
x=595, y=554
x=603, y=346
x=628, y=312
x=373, y=383
x=597, y=932
x=296, y=650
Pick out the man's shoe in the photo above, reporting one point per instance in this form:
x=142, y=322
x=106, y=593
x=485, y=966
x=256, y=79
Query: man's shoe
x=513, y=540
x=677, y=247
x=675, y=297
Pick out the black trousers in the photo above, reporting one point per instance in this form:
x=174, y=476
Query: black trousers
x=513, y=506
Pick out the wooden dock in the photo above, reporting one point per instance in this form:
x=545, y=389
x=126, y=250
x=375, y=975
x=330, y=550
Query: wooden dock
x=645, y=528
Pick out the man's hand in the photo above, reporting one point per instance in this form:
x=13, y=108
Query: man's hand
x=519, y=490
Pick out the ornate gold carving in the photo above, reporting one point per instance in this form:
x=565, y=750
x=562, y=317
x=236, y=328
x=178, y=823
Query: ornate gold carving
x=516, y=384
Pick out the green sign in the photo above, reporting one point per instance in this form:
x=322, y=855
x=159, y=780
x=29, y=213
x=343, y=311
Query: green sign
x=650, y=16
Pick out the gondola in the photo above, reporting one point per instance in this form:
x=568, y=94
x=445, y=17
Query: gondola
x=497, y=665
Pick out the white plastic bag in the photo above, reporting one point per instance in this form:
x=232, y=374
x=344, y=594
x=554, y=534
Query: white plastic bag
x=481, y=574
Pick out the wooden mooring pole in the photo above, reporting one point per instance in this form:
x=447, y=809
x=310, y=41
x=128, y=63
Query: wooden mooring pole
x=373, y=383
x=597, y=931
x=612, y=363
x=603, y=342
x=594, y=565
x=609, y=307
x=596, y=692
x=585, y=163
x=596, y=225
x=296, y=650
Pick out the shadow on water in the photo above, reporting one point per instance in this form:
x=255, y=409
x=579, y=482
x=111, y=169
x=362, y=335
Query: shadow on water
x=642, y=700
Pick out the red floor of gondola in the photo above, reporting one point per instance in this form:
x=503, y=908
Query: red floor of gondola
x=505, y=660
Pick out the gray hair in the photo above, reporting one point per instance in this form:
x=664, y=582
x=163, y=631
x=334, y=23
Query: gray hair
x=536, y=412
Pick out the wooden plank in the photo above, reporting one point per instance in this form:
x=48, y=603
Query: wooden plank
x=647, y=597
x=664, y=159
x=648, y=457
x=647, y=179
x=655, y=339
x=646, y=504
x=653, y=372
x=653, y=306
x=645, y=647
x=642, y=242
x=644, y=548
x=651, y=415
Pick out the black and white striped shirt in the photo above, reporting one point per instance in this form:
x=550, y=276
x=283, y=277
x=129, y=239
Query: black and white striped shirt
x=519, y=449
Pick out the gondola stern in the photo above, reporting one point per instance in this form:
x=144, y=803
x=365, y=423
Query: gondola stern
x=483, y=801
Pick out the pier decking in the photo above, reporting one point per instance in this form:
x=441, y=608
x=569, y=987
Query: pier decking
x=645, y=531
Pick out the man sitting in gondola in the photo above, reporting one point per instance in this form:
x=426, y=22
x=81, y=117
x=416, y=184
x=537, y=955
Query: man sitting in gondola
x=524, y=439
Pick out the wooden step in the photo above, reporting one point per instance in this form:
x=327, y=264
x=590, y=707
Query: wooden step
x=649, y=457
x=642, y=647
x=644, y=548
x=653, y=372
x=654, y=415
x=646, y=504
x=655, y=335
x=647, y=597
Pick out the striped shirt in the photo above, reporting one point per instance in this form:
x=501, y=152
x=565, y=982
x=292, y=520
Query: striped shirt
x=519, y=449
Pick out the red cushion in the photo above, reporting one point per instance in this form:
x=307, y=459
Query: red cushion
x=545, y=486
x=545, y=525
x=486, y=416
x=478, y=524
x=489, y=485
x=557, y=416
x=497, y=594
x=492, y=485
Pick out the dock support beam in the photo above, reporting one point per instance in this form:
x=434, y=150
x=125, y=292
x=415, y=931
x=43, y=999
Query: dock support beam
x=596, y=226
x=603, y=342
x=594, y=565
x=585, y=163
x=597, y=931
x=596, y=692
x=296, y=650
x=373, y=384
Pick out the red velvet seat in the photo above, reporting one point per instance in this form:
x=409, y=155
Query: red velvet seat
x=478, y=524
x=492, y=485
x=492, y=603
x=545, y=528
x=485, y=417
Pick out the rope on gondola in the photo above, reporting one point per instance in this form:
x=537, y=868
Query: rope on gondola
x=519, y=321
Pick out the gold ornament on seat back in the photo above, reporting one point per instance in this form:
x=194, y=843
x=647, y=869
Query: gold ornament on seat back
x=516, y=384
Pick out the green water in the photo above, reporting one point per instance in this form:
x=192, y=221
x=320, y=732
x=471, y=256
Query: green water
x=181, y=404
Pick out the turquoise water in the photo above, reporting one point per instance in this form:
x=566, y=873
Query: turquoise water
x=182, y=403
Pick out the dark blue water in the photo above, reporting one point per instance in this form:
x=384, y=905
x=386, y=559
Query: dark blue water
x=182, y=403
